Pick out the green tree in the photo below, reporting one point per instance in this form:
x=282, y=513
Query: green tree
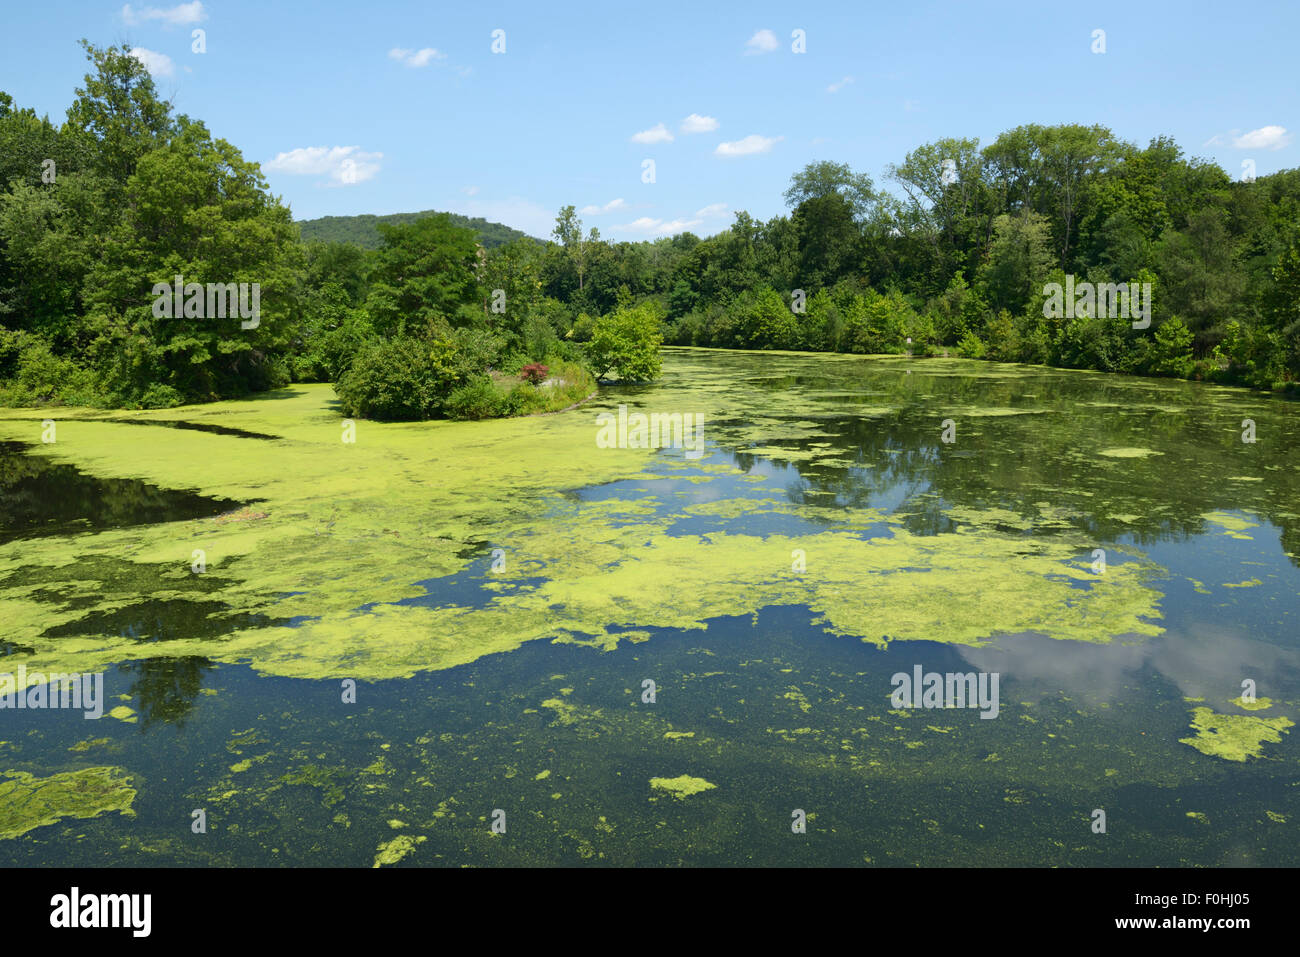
x=626, y=342
x=118, y=108
x=194, y=208
x=822, y=179
x=1019, y=259
x=423, y=275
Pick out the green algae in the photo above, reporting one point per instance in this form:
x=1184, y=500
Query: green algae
x=543, y=571
x=576, y=569
x=1129, y=453
x=28, y=802
x=1259, y=704
x=682, y=786
x=326, y=780
x=390, y=852
x=1232, y=525
x=1234, y=737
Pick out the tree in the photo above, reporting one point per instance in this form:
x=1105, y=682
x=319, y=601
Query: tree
x=197, y=209
x=423, y=274
x=819, y=180
x=1199, y=271
x=119, y=109
x=626, y=342
x=568, y=232
x=1018, y=260
x=827, y=237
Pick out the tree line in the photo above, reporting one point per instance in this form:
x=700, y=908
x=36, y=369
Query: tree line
x=959, y=259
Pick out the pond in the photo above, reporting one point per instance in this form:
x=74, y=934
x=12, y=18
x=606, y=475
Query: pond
x=504, y=643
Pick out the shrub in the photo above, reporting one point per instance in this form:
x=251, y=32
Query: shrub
x=1172, y=354
x=330, y=351
x=534, y=372
x=626, y=342
x=400, y=379
x=38, y=377
x=971, y=347
x=479, y=399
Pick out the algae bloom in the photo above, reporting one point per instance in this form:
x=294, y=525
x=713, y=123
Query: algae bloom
x=28, y=802
x=1234, y=737
x=681, y=787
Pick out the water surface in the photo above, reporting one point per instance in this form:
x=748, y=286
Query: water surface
x=501, y=593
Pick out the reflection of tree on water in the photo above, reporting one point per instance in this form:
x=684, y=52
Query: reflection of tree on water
x=1030, y=443
x=166, y=620
x=40, y=497
x=166, y=687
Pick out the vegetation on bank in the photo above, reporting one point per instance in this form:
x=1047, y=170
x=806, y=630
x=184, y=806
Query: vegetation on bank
x=124, y=195
x=98, y=214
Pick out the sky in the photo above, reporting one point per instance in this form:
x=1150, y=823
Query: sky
x=396, y=107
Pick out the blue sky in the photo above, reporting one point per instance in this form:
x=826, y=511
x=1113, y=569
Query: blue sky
x=394, y=107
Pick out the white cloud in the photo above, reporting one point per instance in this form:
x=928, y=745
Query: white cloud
x=469, y=190
x=764, y=41
x=748, y=146
x=611, y=206
x=658, y=227
x=1264, y=138
x=343, y=165
x=516, y=212
x=178, y=15
x=713, y=209
x=676, y=226
x=839, y=85
x=699, y=124
x=656, y=134
x=415, y=58
x=159, y=64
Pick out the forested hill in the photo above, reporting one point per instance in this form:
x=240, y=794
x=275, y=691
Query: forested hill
x=362, y=230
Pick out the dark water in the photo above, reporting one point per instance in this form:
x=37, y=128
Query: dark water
x=39, y=497
x=778, y=715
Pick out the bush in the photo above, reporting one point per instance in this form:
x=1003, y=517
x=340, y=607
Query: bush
x=330, y=351
x=1172, y=354
x=534, y=373
x=400, y=379
x=764, y=321
x=479, y=399
x=159, y=396
x=971, y=347
x=482, y=398
x=36, y=376
x=626, y=342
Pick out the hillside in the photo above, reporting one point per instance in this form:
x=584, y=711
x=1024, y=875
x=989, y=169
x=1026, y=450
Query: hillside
x=362, y=229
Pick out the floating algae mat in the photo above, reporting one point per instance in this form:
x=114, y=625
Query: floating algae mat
x=435, y=644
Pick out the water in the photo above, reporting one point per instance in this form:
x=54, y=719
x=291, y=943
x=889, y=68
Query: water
x=781, y=703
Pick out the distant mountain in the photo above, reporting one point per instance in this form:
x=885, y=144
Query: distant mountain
x=362, y=230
